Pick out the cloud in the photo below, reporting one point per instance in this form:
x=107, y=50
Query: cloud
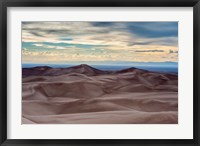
x=102, y=24
x=65, y=39
x=38, y=45
x=154, y=29
x=164, y=41
x=99, y=40
x=36, y=33
x=110, y=33
x=62, y=28
x=172, y=51
x=149, y=51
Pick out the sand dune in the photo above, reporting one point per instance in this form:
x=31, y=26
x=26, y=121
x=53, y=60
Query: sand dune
x=85, y=95
x=110, y=117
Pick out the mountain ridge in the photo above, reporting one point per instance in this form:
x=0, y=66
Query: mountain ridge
x=81, y=69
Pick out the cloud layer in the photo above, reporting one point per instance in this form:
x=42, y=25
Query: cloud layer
x=61, y=42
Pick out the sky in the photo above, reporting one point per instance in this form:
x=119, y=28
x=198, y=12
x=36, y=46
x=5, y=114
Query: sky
x=105, y=42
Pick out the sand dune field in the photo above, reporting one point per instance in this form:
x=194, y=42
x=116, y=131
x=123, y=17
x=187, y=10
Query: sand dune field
x=85, y=95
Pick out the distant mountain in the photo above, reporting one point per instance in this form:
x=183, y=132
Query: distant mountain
x=48, y=71
x=40, y=70
x=131, y=69
x=80, y=69
x=84, y=69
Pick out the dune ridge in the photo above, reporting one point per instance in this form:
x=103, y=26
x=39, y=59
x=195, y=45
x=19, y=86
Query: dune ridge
x=85, y=95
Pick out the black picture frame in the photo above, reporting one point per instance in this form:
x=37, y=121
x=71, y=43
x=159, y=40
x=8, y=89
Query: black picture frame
x=4, y=4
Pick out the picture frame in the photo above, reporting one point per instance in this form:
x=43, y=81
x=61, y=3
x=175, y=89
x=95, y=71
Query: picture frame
x=4, y=4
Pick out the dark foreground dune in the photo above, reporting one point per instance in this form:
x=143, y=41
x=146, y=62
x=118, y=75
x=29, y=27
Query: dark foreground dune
x=85, y=95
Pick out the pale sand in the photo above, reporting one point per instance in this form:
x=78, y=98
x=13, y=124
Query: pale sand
x=126, y=97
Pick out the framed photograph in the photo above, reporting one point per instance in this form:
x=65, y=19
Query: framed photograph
x=99, y=72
